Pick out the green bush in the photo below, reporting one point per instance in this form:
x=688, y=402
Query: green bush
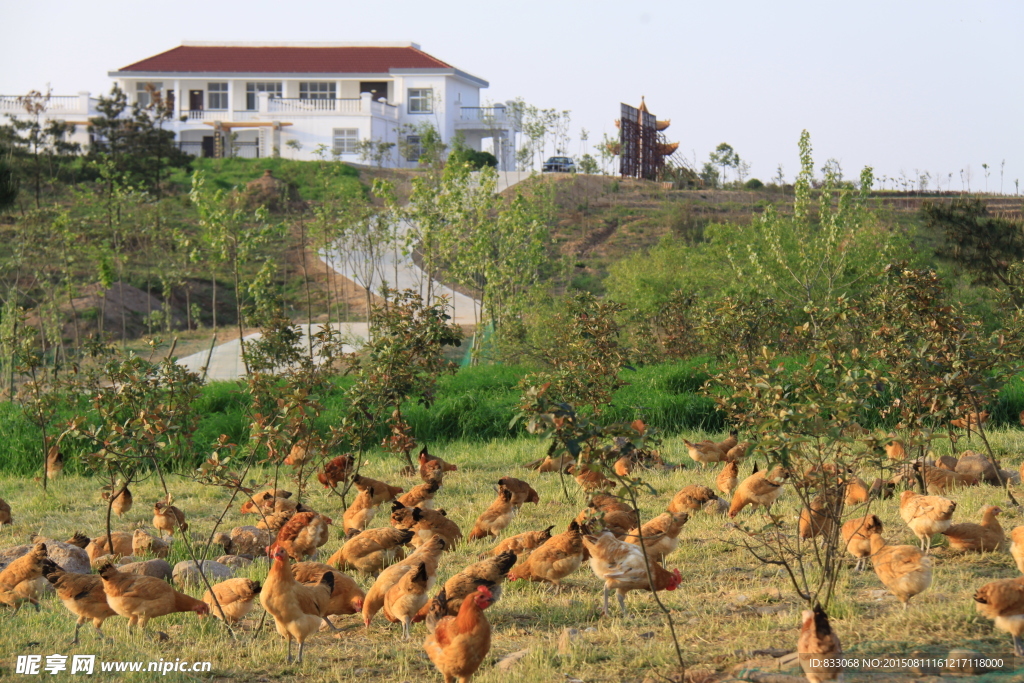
x=753, y=184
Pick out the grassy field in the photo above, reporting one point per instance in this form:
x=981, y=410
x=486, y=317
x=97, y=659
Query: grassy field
x=727, y=608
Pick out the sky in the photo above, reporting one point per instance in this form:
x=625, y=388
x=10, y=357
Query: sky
x=904, y=86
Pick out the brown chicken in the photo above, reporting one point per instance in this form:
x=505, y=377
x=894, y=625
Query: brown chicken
x=421, y=495
x=346, y=598
x=926, y=515
x=818, y=519
x=550, y=464
x=728, y=478
x=79, y=540
x=705, y=452
x=335, y=471
x=268, y=501
x=1017, y=547
x=691, y=498
x=857, y=491
x=760, y=488
x=737, y=452
x=857, y=537
x=903, y=569
x=298, y=610
x=558, y=557
x=98, y=546
x=300, y=453
x=937, y=480
x=235, y=598
x=168, y=518
x=490, y=572
x=83, y=595
x=144, y=543
x=523, y=544
x=985, y=537
x=371, y=550
x=407, y=597
x=660, y=535
x=429, y=553
x=591, y=479
x=303, y=534
x=818, y=641
x=275, y=521
x=141, y=598
x=24, y=576
x=971, y=421
x=624, y=465
x=1003, y=602
x=379, y=491
x=457, y=645
x=122, y=501
x=522, y=492
x=54, y=463
x=496, y=517
x=895, y=450
x=433, y=468
x=360, y=513
x=5, y=513
x=614, y=514
x=622, y=567
x=425, y=524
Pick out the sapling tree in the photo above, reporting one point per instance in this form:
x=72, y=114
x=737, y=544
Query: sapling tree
x=596, y=446
x=584, y=358
x=806, y=422
x=402, y=362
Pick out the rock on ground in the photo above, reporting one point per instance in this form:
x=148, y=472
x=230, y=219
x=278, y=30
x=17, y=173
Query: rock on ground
x=248, y=540
x=68, y=557
x=187, y=572
x=161, y=569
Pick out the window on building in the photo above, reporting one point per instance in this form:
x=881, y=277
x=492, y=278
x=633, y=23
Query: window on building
x=413, y=148
x=377, y=89
x=421, y=100
x=144, y=92
x=252, y=91
x=217, y=95
x=317, y=91
x=345, y=140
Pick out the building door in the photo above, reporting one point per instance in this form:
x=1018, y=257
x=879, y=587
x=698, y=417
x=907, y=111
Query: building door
x=195, y=100
x=169, y=99
x=208, y=151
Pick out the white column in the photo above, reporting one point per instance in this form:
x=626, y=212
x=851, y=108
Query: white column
x=364, y=104
x=263, y=102
x=83, y=102
x=231, y=101
x=177, y=99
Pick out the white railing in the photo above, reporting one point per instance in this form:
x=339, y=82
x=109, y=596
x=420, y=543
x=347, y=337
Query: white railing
x=291, y=105
x=206, y=115
x=55, y=104
x=484, y=115
x=388, y=111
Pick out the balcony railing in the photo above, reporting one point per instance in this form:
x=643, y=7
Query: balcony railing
x=277, y=107
x=485, y=117
x=54, y=104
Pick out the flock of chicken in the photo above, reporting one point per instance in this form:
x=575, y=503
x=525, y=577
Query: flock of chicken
x=402, y=557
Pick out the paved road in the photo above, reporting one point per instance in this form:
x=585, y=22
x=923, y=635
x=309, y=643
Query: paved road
x=399, y=272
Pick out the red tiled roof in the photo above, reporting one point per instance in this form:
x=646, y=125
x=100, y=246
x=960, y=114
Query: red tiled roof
x=325, y=60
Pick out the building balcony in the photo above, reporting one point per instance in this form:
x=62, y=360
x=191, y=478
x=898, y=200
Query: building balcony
x=80, y=105
x=486, y=119
x=272, y=109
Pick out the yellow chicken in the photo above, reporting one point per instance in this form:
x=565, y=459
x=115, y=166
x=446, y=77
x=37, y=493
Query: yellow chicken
x=903, y=569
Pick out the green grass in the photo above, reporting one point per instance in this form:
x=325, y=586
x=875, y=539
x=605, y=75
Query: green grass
x=233, y=172
x=727, y=607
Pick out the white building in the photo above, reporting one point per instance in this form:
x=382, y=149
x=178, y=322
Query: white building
x=266, y=99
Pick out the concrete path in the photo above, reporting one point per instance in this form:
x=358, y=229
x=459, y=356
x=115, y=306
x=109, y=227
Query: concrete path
x=398, y=271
